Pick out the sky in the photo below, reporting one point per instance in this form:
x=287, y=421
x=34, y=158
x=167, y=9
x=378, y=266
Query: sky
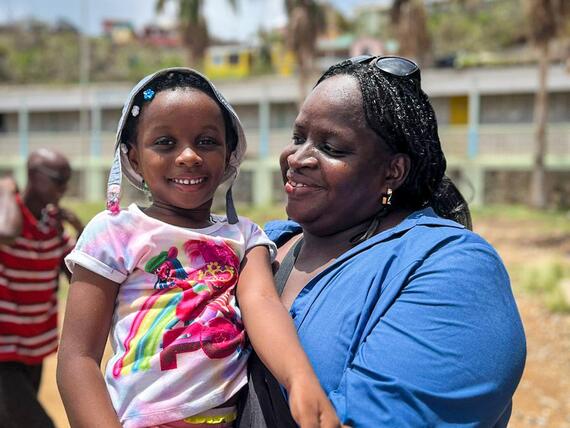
x=223, y=22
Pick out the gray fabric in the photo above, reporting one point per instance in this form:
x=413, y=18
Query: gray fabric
x=251, y=415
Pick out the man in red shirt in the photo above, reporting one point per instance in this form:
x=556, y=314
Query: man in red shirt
x=32, y=247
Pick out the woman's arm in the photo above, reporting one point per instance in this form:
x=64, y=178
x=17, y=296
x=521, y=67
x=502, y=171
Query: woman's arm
x=449, y=349
x=274, y=338
x=88, y=315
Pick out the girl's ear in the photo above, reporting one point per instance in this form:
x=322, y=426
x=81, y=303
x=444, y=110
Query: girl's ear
x=397, y=170
x=133, y=156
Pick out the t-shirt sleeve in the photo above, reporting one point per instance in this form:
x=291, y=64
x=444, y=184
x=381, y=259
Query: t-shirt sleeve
x=101, y=248
x=255, y=236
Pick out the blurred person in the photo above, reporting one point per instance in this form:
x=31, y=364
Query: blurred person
x=33, y=244
x=407, y=316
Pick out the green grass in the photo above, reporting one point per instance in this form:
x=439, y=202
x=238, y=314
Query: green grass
x=84, y=210
x=549, y=220
x=541, y=277
x=544, y=280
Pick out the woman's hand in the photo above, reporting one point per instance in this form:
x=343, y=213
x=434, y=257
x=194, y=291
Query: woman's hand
x=309, y=405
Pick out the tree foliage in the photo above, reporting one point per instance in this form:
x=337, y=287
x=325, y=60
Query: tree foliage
x=476, y=26
x=192, y=27
x=409, y=19
x=305, y=23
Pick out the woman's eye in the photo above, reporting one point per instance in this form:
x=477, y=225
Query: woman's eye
x=327, y=148
x=297, y=140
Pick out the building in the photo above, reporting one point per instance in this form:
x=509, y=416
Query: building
x=485, y=117
x=120, y=32
x=228, y=61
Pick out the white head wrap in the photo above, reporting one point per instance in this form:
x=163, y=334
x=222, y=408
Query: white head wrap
x=122, y=165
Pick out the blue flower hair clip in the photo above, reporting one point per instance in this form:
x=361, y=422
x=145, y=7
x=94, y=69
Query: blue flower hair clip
x=148, y=94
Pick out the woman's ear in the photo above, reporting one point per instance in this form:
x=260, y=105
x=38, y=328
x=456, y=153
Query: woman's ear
x=397, y=171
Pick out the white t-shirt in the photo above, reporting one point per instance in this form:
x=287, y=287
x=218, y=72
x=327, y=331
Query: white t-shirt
x=178, y=341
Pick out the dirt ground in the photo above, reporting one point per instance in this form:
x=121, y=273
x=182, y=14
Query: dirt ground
x=543, y=396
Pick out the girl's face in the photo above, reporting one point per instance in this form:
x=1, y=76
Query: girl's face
x=181, y=150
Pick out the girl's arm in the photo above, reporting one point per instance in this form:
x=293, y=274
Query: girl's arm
x=86, y=326
x=274, y=338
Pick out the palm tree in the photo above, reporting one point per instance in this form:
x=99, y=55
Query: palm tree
x=546, y=19
x=409, y=20
x=192, y=26
x=305, y=23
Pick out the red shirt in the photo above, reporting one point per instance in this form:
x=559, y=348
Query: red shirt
x=29, y=274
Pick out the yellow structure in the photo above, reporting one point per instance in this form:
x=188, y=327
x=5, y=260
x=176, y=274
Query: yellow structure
x=458, y=110
x=223, y=62
x=282, y=59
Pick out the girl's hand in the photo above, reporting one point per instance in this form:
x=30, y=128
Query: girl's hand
x=309, y=405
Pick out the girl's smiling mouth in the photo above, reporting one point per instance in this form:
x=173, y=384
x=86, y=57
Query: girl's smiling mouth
x=188, y=181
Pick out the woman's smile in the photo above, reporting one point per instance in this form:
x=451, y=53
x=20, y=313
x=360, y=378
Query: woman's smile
x=298, y=185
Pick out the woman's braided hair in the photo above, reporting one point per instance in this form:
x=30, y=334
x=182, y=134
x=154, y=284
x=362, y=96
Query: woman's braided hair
x=399, y=112
x=173, y=81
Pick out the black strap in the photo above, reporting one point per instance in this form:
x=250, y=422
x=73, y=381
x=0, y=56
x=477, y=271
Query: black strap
x=286, y=266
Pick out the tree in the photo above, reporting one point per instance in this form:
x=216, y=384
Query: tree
x=409, y=20
x=305, y=23
x=192, y=27
x=546, y=19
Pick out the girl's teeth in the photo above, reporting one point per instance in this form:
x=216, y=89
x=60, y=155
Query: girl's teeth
x=188, y=181
x=297, y=184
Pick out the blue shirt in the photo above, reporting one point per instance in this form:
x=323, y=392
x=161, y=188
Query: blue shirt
x=415, y=327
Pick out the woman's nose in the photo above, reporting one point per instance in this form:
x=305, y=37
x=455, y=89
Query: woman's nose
x=303, y=156
x=188, y=157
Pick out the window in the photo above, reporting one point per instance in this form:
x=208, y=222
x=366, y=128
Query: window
x=233, y=59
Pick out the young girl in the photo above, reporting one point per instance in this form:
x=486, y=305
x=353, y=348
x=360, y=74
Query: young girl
x=164, y=279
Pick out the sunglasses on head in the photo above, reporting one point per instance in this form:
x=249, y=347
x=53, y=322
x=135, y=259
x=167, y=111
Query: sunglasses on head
x=392, y=65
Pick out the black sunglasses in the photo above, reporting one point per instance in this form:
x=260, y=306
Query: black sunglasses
x=393, y=65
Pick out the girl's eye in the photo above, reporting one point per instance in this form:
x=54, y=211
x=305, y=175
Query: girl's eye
x=164, y=142
x=207, y=142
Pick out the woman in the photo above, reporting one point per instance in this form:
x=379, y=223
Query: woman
x=407, y=316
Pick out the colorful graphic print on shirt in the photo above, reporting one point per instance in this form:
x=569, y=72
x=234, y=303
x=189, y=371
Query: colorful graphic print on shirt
x=188, y=311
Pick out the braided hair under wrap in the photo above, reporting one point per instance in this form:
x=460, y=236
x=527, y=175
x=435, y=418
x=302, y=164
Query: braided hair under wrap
x=399, y=111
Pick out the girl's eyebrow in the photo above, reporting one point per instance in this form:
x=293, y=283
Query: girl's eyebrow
x=161, y=128
x=213, y=127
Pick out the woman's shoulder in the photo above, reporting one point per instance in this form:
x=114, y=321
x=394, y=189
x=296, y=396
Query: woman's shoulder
x=425, y=233
x=280, y=231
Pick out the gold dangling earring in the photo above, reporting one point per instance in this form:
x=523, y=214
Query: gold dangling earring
x=387, y=198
